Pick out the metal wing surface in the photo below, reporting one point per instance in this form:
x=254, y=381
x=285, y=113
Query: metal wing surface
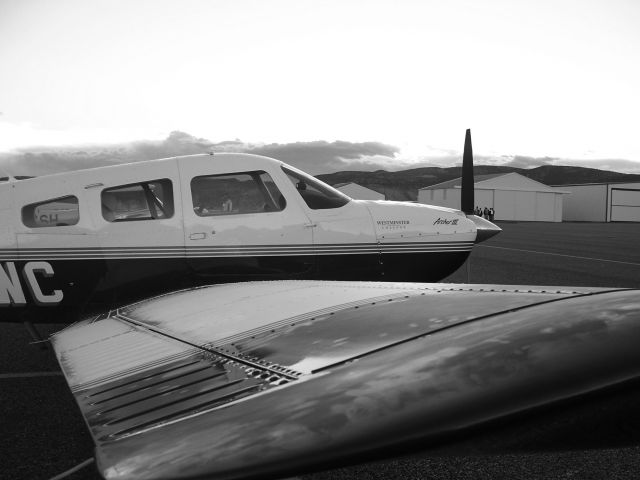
x=275, y=378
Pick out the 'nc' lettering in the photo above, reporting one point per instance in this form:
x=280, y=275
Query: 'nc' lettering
x=11, y=292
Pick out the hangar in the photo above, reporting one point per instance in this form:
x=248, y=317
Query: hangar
x=602, y=202
x=359, y=192
x=511, y=195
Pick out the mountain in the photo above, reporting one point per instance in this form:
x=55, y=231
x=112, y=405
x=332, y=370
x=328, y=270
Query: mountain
x=404, y=184
x=564, y=175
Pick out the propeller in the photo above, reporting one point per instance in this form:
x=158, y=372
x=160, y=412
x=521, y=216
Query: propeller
x=467, y=201
x=485, y=228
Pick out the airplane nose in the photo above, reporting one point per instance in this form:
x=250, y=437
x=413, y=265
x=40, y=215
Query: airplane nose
x=485, y=228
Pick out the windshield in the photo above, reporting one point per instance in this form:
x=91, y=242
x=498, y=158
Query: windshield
x=316, y=194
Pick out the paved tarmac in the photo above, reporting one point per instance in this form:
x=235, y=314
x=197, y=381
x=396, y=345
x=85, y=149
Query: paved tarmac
x=43, y=433
x=579, y=254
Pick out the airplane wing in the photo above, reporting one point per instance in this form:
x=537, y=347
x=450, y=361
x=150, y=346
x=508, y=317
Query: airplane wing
x=279, y=378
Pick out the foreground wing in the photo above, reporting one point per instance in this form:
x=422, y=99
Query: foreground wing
x=276, y=378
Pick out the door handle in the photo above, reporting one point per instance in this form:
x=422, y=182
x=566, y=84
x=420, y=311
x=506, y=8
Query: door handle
x=310, y=225
x=197, y=236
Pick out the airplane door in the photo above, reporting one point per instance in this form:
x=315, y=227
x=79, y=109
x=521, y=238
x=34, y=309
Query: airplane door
x=138, y=220
x=239, y=225
x=55, y=236
x=343, y=232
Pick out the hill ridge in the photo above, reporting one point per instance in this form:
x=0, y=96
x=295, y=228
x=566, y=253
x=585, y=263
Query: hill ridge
x=404, y=184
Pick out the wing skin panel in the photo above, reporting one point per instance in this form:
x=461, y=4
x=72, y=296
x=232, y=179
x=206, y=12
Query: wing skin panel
x=210, y=387
x=307, y=326
x=436, y=384
x=93, y=353
x=142, y=399
x=318, y=342
x=220, y=311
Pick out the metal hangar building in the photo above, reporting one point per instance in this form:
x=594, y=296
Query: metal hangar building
x=511, y=195
x=602, y=202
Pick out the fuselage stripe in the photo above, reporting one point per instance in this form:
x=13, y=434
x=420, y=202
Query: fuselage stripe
x=94, y=253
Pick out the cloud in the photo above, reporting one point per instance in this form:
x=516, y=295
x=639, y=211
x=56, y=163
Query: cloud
x=323, y=157
x=314, y=157
x=522, y=161
x=44, y=160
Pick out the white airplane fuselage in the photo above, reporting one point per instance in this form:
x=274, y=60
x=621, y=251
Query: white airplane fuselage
x=87, y=240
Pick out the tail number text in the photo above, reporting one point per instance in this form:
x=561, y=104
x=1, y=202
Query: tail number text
x=11, y=291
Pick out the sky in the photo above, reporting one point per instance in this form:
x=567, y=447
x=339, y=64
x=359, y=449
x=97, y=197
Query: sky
x=396, y=81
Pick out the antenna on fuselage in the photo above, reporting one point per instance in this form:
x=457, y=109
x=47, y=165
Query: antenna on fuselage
x=467, y=201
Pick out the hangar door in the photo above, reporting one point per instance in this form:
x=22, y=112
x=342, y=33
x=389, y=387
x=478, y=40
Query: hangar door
x=515, y=205
x=545, y=207
x=525, y=206
x=625, y=205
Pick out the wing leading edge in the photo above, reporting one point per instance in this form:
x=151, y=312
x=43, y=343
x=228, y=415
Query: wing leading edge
x=276, y=378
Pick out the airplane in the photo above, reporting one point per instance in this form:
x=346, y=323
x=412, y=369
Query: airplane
x=87, y=241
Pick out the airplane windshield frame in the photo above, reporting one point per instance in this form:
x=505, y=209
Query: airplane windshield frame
x=315, y=193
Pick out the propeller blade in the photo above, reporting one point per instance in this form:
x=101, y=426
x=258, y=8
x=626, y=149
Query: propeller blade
x=467, y=200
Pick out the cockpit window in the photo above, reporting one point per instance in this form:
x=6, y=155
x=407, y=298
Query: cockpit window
x=57, y=212
x=152, y=200
x=316, y=194
x=236, y=193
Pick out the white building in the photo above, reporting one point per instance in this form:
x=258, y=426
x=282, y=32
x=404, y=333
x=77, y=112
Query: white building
x=511, y=195
x=358, y=191
x=602, y=202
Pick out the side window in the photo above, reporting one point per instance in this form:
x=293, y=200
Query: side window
x=316, y=194
x=235, y=193
x=57, y=212
x=152, y=200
